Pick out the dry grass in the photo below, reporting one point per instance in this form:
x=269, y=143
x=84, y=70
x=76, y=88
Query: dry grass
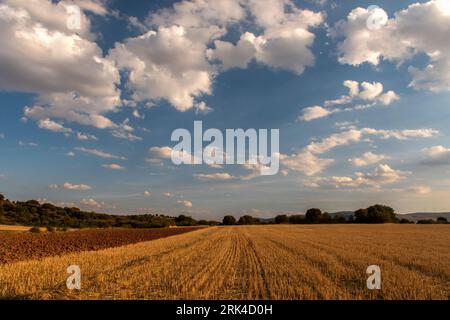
x=10, y=229
x=258, y=262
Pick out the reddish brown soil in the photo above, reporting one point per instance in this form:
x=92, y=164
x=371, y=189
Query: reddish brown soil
x=25, y=246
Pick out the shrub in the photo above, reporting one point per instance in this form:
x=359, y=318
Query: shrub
x=425, y=221
x=51, y=229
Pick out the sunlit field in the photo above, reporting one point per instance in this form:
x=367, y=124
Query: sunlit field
x=254, y=262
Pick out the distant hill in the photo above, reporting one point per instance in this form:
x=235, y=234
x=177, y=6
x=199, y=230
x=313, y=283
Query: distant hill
x=425, y=215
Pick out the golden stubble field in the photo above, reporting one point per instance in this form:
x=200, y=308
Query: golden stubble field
x=254, y=262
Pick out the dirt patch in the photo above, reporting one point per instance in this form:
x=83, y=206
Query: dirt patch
x=24, y=246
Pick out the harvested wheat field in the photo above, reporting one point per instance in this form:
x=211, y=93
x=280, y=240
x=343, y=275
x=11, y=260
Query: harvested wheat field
x=255, y=262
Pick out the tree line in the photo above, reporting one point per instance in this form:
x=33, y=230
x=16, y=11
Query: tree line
x=33, y=213
x=371, y=215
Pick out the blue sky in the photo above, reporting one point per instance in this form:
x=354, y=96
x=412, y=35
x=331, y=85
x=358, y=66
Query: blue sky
x=86, y=112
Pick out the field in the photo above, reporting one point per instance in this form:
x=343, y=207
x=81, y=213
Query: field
x=254, y=262
x=27, y=246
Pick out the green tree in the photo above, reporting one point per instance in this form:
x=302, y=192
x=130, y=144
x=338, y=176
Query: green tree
x=442, y=220
x=375, y=214
x=248, y=220
x=325, y=218
x=281, y=219
x=229, y=220
x=297, y=219
x=313, y=215
x=361, y=216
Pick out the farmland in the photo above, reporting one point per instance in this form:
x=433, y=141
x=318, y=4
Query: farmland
x=250, y=262
x=28, y=246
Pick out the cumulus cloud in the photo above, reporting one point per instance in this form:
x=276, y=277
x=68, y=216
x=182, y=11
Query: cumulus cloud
x=99, y=153
x=366, y=94
x=176, y=58
x=147, y=193
x=165, y=64
x=308, y=160
x=92, y=203
x=185, y=203
x=367, y=159
x=284, y=43
x=48, y=124
x=437, y=155
x=40, y=53
x=71, y=186
x=405, y=35
x=113, y=166
x=382, y=175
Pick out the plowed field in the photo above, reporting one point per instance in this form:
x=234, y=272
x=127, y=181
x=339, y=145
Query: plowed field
x=24, y=246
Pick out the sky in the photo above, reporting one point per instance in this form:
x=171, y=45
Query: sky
x=91, y=91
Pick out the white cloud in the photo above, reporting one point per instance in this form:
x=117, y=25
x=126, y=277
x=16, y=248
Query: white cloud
x=382, y=175
x=165, y=64
x=367, y=94
x=315, y=112
x=437, y=151
x=284, y=43
x=175, y=59
x=305, y=162
x=166, y=153
x=223, y=176
x=161, y=152
x=70, y=186
x=185, y=203
x=402, y=134
x=147, y=193
x=405, y=35
x=2, y=136
x=65, y=67
x=421, y=190
x=99, y=153
x=113, y=166
x=234, y=56
x=54, y=126
x=125, y=131
x=92, y=203
x=437, y=155
x=27, y=144
x=308, y=162
x=85, y=136
x=202, y=108
x=168, y=194
x=70, y=154
x=48, y=124
x=367, y=159
x=95, y=6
